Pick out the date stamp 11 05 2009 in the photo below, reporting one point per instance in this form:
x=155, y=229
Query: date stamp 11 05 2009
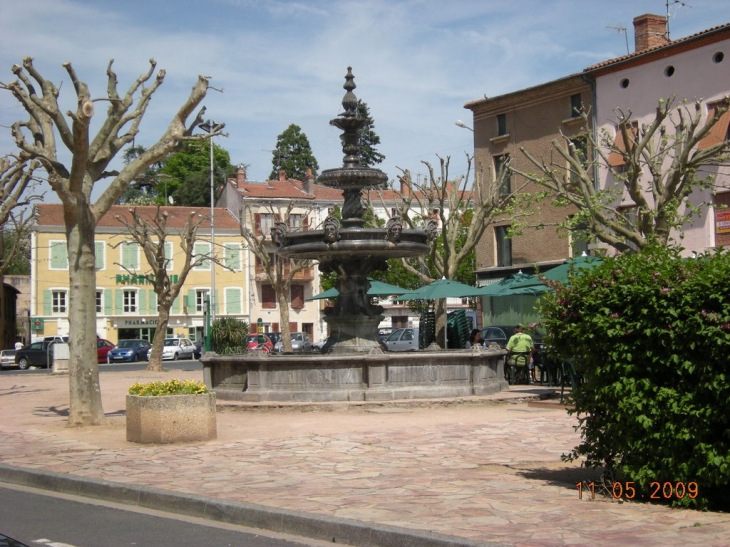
x=627, y=490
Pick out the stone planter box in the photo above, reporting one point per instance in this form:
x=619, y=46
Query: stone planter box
x=171, y=418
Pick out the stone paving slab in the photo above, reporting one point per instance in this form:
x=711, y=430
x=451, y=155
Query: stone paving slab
x=496, y=479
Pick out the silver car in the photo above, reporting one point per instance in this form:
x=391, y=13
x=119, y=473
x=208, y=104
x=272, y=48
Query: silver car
x=178, y=348
x=300, y=343
x=402, y=340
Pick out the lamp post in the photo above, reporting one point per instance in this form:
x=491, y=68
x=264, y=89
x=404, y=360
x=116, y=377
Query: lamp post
x=463, y=125
x=211, y=127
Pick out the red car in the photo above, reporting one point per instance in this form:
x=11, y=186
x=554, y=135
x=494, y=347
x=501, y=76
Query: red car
x=102, y=348
x=259, y=341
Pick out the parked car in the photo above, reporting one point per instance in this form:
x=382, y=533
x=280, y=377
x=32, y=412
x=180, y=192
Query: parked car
x=384, y=332
x=103, y=347
x=7, y=358
x=259, y=341
x=402, y=340
x=130, y=351
x=274, y=337
x=502, y=334
x=63, y=339
x=178, y=348
x=36, y=354
x=317, y=346
x=300, y=343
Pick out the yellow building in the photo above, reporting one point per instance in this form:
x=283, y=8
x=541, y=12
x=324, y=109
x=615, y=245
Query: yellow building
x=126, y=305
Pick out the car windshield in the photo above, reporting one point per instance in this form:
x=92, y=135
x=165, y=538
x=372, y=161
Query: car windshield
x=126, y=343
x=172, y=342
x=395, y=336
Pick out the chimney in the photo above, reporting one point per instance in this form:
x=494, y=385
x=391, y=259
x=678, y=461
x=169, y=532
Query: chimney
x=282, y=175
x=308, y=183
x=649, y=31
x=240, y=176
x=405, y=189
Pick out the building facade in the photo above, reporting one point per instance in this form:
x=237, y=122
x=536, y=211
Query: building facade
x=126, y=305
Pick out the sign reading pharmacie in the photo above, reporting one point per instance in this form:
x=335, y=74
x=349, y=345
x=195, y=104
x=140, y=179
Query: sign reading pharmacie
x=141, y=322
x=123, y=279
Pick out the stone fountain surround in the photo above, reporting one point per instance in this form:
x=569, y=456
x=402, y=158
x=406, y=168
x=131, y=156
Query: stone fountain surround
x=355, y=368
x=258, y=377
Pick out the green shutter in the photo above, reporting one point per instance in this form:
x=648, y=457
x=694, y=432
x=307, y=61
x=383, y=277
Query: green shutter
x=99, y=248
x=59, y=255
x=233, y=256
x=233, y=300
x=152, y=306
x=119, y=301
x=142, y=295
x=107, y=302
x=168, y=255
x=130, y=255
x=189, y=301
x=202, y=249
x=176, y=306
x=47, y=301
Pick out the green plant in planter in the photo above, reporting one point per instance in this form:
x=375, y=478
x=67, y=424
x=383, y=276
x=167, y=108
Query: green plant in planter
x=170, y=387
x=229, y=335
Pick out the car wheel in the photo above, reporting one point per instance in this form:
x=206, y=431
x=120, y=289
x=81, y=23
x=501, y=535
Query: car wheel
x=23, y=364
x=176, y=357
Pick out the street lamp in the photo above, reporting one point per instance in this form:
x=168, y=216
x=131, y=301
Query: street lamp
x=463, y=125
x=212, y=127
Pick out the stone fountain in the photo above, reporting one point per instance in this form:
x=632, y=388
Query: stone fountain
x=354, y=366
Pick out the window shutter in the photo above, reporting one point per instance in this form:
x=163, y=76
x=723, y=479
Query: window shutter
x=233, y=300
x=615, y=158
x=168, y=255
x=297, y=297
x=107, y=302
x=233, y=256
x=257, y=223
x=59, y=255
x=152, y=306
x=47, y=301
x=202, y=249
x=305, y=223
x=719, y=131
x=268, y=297
x=176, y=305
x=293, y=327
x=217, y=300
x=142, y=304
x=119, y=300
x=189, y=301
x=99, y=247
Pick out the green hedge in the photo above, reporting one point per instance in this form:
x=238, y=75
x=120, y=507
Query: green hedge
x=650, y=332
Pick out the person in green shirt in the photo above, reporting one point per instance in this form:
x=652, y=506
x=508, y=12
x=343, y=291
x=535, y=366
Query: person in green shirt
x=521, y=345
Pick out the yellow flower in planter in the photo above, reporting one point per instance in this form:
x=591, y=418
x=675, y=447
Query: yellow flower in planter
x=171, y=387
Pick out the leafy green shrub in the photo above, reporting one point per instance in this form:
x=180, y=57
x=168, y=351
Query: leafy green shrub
x=229, y=335
x=650, y=332
x=171, y=387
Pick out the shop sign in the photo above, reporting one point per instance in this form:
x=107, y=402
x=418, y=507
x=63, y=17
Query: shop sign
x=722, y=222
x=124, y=279
x=139, y=322
x=36, y=323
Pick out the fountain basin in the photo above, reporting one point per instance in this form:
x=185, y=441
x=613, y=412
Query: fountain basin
x=355, y=377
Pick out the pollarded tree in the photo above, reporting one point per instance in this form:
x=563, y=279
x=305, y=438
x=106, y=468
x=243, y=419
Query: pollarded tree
x=293, y=154
x=279, y=272
x=90, y=155
x=656, y=166
x=149, y=228
x=460, y=210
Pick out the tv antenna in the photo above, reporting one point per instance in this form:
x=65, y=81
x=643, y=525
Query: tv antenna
x=672, y=3
x=621, y=29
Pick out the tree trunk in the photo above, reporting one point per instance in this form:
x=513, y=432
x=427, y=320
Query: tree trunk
x=440, y=313
x=284, y=318
x=85, y=406
x=154, y=363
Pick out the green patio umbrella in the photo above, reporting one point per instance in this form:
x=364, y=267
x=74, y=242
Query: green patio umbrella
x=514, y=285
x=560, y=273
x=441, y=288
x=377, y=288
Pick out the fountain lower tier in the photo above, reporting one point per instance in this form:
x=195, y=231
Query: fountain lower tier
x=359, y=377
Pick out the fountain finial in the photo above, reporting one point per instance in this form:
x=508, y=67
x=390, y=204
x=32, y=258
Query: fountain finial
x=349, y=101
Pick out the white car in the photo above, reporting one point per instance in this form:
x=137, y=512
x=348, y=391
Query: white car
x=178, y=348
x=7, y=358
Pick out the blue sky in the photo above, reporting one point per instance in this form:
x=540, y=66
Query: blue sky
x=416, y=62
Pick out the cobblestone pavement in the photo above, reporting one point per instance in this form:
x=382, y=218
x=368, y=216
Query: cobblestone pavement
x=493, y=473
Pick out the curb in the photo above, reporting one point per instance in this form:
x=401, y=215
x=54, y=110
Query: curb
x=331, y=529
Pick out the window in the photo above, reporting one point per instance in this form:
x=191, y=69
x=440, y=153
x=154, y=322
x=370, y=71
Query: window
x=631, y=220
x=99, y=301
x=504, y=246
x=59, y=255
x=233, y=256
x=168, y=255
x=264, y=223
x=130, y=256
x=501, y=124
x=576, y=105
x=719, y=131
x=200, y=295
x=502, y=173
x=295, y=221
x=130, y=301
x=59, y=302
x=297, y=297
x=201, y=250
x=268, y=297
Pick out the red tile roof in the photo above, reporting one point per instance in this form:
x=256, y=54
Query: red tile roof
x=51, y=214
